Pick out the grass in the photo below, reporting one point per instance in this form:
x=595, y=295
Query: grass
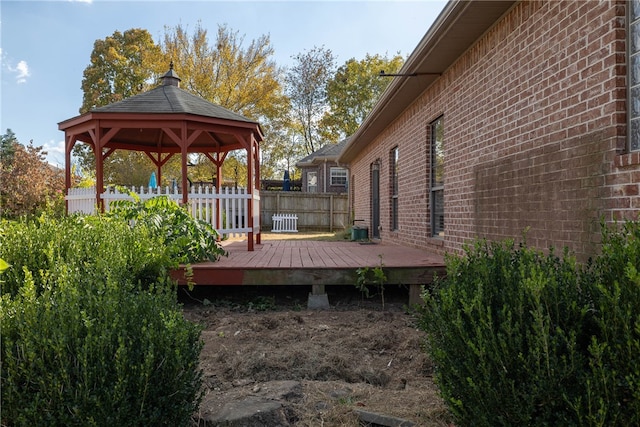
x=319, y=236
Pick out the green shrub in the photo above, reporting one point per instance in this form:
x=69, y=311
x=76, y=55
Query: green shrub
x=522, y=338
x=189, y=240
x=92, y=333
x=506, y=335
x=110, y=356
x=88, y=246
x=612, y=384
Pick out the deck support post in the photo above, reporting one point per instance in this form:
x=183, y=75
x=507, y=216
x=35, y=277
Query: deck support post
x=415, y=294
x=318, y=299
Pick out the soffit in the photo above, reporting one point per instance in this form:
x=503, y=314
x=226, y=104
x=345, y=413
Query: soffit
x=457, y=28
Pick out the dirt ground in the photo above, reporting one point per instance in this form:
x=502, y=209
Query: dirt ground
x=354, y=356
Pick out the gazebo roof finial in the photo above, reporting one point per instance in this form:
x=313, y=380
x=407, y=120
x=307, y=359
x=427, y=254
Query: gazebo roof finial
x=170, y=78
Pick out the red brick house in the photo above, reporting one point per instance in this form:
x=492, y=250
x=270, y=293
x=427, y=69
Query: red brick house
x=508, y=116
x=321, y=171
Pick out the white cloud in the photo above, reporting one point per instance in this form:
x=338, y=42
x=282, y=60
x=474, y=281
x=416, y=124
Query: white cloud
x=23, y=72
x=55, y=152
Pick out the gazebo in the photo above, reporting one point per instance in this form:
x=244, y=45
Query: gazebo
x=163, y=122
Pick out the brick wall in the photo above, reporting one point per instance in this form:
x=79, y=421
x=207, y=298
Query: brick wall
x=534, y=119
x=323, y=174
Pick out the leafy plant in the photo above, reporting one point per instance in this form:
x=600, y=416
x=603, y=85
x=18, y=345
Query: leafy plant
x=188, y=239
x=375, y=277
x=262, y=303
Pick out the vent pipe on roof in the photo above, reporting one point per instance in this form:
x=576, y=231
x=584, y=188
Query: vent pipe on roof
x=170, y=78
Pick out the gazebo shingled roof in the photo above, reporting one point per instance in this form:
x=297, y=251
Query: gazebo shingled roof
x=169, y=98
x=162, y=122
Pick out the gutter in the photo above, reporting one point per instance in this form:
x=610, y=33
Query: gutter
x=460, y=24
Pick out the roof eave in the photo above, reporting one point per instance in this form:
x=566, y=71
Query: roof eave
x=460, y=24
x=154, y=117
x=316, y=160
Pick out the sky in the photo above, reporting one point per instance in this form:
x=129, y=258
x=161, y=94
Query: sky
x=46, y=45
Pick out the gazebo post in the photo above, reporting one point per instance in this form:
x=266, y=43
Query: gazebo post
x=185, y=182
x=255, y=144
x=97, y=152
x=68, y=146
x=218, y=164
x=250, y=188
x=159, y=170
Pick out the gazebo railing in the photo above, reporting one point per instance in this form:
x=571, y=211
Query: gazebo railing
x=227, y=211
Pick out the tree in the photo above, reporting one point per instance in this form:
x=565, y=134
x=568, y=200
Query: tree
x=307, y=90
x=122, y=65
x=242, y=79
x=352, y=93
x=27, y=181
x=8, y=145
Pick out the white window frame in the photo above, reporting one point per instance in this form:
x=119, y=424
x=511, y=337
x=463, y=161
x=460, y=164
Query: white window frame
x=436, y=187
x=338, y=176
x=394, y=158
x=312, y=188
x=633, y=69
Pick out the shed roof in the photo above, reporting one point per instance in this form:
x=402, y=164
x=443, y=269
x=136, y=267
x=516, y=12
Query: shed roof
x=455, y=30
x=329, y=152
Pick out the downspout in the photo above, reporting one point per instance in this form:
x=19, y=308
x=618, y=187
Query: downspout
x=324, y=177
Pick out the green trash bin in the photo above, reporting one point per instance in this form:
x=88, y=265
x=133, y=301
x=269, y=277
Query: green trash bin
x=359, y=232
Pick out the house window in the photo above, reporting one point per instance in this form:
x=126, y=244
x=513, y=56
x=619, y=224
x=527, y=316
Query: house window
x=393, y=162
x=338, y=176
x=437, y=178
x=634, y=75
x=312, y=182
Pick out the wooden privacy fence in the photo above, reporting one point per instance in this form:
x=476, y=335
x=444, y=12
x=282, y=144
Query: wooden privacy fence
x=315, y=211
x=226, y=211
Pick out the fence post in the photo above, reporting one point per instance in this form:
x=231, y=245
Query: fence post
x=331, y=212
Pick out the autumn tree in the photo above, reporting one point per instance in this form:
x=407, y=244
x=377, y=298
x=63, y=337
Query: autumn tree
x=27, y=181
x=307, y=89
x=352, y=93
x=243, y=79
x=121, y=65
x=240, y=77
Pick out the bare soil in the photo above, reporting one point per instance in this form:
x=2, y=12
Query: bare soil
x=356, y=355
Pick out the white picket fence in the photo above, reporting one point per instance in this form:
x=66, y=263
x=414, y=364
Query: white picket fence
x=226, y=211
x=284, y=223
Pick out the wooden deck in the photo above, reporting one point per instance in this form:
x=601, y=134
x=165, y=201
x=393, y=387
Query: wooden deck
x=317, y=263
